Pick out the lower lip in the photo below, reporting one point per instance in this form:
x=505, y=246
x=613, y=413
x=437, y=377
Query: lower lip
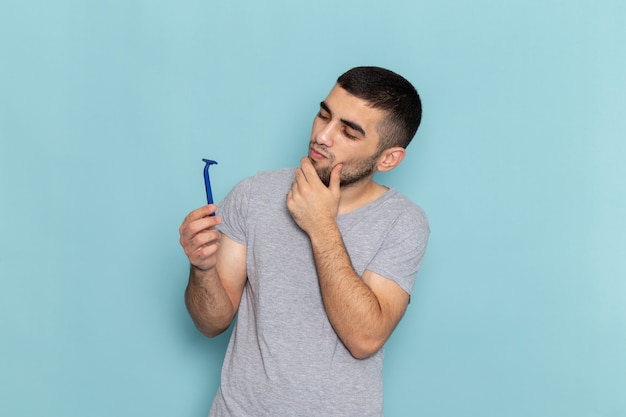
x=316, y=155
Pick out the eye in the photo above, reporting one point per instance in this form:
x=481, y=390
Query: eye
x=322, y=115
x=347, y=134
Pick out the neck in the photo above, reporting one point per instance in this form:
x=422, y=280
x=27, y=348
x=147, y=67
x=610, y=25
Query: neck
x=359, y=194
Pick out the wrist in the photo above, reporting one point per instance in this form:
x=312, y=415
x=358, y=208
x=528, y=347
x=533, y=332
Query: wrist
x=327, y=231
x=198, y=276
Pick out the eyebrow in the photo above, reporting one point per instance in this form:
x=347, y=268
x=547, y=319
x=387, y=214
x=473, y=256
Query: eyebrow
x=351, y=125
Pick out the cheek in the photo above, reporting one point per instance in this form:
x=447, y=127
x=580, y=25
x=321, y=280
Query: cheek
x=357, y=157
x=317, y=126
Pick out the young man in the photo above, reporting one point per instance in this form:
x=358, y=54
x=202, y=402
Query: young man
x=318, y=262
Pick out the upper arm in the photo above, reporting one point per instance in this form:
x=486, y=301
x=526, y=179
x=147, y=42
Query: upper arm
x=393, y=301
x=231, y=268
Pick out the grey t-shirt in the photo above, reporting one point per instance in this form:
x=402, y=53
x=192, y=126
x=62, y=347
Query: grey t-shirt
x=284, y=358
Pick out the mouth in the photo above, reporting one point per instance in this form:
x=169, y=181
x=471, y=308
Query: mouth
x=316, y=155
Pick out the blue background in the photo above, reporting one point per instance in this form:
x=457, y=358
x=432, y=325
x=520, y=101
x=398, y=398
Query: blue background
x=107, y=107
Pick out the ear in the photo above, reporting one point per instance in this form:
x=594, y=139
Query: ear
x=390, y=158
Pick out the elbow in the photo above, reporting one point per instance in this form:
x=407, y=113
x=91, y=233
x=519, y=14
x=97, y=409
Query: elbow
x=210, y=329
x=209, y=323
x=209, y=326
x=210, y=332
x=364, y=349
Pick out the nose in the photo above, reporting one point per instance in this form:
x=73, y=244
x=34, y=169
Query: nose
x=324, y=135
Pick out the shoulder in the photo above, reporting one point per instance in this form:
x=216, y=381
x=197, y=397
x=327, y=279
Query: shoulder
x=265, y=180
x=399, y=207
x=278, y=176
x=270, y=186
x=264, y=190
x=252, y=199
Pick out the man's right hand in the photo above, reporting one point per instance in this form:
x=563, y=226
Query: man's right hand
x=199, y=238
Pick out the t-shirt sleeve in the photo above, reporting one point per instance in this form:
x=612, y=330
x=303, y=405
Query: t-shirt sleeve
x=234, y=212
x=402, y=251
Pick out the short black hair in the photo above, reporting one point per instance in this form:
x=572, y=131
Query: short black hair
x=385, y=90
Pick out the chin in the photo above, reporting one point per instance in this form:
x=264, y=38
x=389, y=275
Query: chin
x=324, y=174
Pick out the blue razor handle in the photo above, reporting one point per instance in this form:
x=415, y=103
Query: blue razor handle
x=207, y=181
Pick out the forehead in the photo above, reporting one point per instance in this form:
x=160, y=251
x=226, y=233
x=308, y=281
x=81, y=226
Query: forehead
x=345, y=106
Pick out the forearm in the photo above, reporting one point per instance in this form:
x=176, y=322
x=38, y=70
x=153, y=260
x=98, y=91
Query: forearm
x=208, y=302
x=352, y=307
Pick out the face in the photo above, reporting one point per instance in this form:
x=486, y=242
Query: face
x=344, y=131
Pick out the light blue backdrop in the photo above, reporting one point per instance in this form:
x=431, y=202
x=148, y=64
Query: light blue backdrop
x=107, y=107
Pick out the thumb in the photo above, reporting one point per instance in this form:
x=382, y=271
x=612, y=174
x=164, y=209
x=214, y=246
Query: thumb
x=335, y=177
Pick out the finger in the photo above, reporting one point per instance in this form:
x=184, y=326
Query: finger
x=201, y=257
x=335, y=178
x=201, y=212
x=204, y=238
x=307, y=168
x=203, y=252
x=190, y=228
x=299, y=176
x=197, y=243
x=294, y=191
